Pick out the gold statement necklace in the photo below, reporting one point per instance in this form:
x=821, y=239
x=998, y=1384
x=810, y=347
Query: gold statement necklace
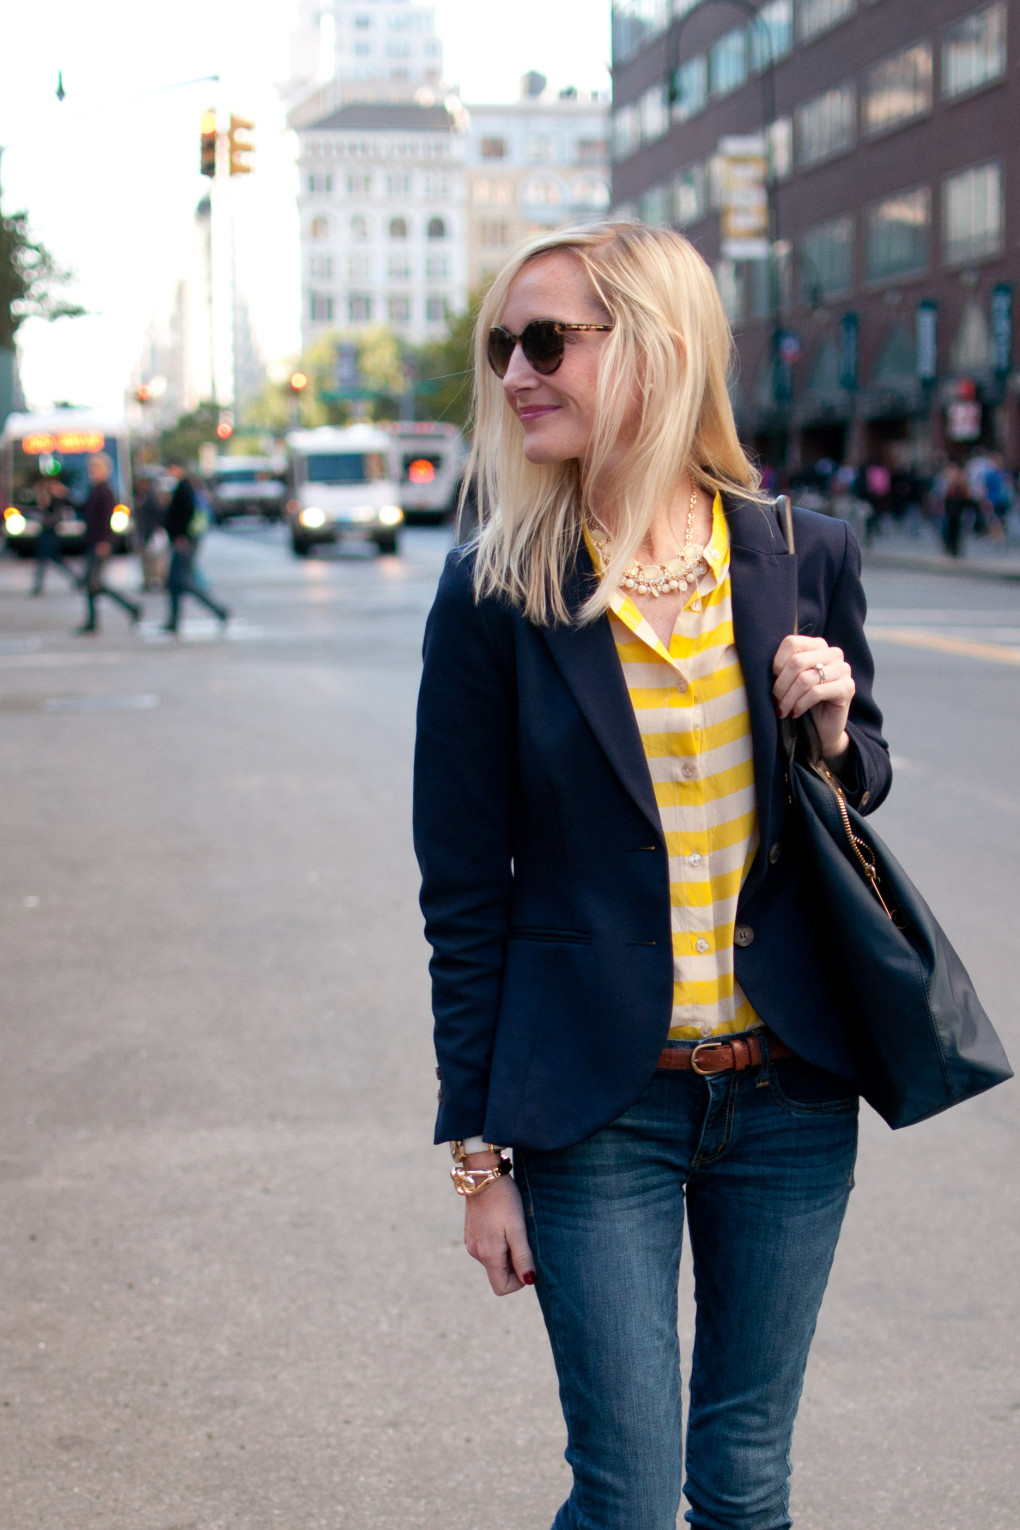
x=659, y=578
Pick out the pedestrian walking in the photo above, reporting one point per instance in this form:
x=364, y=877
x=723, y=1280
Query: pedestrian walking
x=629, y=989
x=958, y=502
x=150, y=535
x=51, y=498
x=97, y=511
x=185, y=526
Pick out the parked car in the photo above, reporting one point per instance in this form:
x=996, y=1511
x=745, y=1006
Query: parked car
x=248, y=486
x=340, y=488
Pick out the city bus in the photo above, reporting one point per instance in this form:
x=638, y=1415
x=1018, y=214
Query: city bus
x=38, y=446
x=427, y=459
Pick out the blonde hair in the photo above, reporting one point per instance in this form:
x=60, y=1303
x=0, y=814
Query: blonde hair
x=671, y=349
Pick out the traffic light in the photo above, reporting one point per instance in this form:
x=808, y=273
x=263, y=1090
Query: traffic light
x=225, y=428
x=143, y=393
x=209, y=143
x=240, y=146
x=298, y=380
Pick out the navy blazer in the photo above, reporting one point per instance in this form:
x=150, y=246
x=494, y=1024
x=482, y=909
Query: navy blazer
x=545, y=877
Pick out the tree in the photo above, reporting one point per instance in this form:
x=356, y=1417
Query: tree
x=446, y=370
x=29, y=277
x=182, y=439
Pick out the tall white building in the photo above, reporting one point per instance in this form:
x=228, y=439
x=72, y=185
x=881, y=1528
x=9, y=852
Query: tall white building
x=382, y=205
x=536, y=163
x=386, y=46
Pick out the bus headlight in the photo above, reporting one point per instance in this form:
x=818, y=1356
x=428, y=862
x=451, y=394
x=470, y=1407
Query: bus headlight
x=391, y=515
x=120, y=520
x=14, y=521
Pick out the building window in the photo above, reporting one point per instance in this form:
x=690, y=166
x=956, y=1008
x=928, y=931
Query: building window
x=359, y=307
x=542, y=192
x=974, y=50
x=321, y=308
x=973, y=217
x=689, y=202
x=589, y=193
x=592, y=151
x=727, y=62
x=636, y=22
x=359, y=267
x=481, y=192
x=495, y=236
x=437, y=186
x=399, y=310
x=398, y=228
x=399, y=267
x=435, y=309
x=899, y=231
x=494, y=148
x=817, y=16
x=654, y=110
x=437, y=268
x=359, y=185
x=319, y=228
x=779, y=142
x=359, y=228
x=654, y=206
x=436, y=229
x=690, y=88
x=362, y=22
x=728, y=279
x=322, y=267
x=398, y=185
x=897, y=89
x=770, y=38
x=626, y=131
x=827, y=260
x=541, y=148
x=825, y=124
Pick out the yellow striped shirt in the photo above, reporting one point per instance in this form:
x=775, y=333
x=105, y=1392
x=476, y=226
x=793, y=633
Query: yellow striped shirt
x=691, y=708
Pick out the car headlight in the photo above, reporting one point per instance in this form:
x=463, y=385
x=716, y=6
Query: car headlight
x=14, y=521
x=391, y=515
x=312, y=517
x=120, y=520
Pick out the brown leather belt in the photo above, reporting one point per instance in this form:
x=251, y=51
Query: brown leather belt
x=720, y=1056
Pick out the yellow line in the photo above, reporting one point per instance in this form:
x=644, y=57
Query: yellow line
x=921, y=637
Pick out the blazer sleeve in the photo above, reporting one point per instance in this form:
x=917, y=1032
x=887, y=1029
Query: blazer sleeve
x=867, y=774
x=462, y=833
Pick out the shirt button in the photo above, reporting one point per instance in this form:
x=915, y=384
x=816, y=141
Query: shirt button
x=681, y=686
x=695, y=605
x=694, y=859
x=689, y=772
x=701, y=944
x=706, y=1030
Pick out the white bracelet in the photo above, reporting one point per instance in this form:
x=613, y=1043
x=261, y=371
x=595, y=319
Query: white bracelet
x=479, y=1145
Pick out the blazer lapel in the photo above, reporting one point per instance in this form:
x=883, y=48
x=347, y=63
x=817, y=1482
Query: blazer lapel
x=763, y=579
x=587, y=659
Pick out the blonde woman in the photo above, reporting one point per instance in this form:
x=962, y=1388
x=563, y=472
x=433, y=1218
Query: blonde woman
x=629, y=987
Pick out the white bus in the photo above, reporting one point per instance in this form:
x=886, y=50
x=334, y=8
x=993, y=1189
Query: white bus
x=340, y=488
x=428, y=463
x=39, y=446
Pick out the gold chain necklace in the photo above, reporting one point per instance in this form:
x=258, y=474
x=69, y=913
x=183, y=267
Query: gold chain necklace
x=659, y=578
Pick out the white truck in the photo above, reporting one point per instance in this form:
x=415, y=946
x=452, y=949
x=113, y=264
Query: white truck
x=340, y=488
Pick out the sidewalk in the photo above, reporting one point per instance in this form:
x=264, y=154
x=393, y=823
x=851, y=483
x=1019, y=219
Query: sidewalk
x=921, y=550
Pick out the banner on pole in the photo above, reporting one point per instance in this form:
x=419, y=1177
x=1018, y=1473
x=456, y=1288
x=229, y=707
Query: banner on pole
x=744, y=209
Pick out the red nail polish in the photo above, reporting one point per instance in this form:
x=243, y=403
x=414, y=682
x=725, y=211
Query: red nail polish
x=528, y=1277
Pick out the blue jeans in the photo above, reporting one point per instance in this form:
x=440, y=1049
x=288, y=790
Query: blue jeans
x=765, y=1161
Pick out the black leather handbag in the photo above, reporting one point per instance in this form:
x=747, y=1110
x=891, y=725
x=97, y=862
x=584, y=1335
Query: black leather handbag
x=921, y=1039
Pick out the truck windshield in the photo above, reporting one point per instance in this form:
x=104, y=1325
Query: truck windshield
x=344, y=467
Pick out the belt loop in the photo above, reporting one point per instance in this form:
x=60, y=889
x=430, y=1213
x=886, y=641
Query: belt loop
x=765, y=1070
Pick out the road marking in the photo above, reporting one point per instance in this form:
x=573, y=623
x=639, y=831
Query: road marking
x=938, y=642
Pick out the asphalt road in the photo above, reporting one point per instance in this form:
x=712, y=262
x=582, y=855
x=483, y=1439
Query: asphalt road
x=232, y=1292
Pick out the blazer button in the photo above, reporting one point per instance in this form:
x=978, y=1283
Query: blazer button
x=743, y=935
x=774, y=853
x=865, y=798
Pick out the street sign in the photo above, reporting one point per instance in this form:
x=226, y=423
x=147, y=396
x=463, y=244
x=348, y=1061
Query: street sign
x=927, y=338
x=963, y=420
x=348, y=377
x=1002, y=328
x=744, y=211
x=849, y=351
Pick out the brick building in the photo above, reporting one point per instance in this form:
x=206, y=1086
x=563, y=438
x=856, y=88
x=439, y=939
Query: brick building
x=882, y=323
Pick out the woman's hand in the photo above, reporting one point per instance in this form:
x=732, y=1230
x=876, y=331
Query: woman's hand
x=495, y=1234
x=811, y=676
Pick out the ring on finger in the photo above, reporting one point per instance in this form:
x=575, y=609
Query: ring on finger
x=821, y=673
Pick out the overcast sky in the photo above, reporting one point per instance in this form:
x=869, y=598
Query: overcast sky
x=110, y=179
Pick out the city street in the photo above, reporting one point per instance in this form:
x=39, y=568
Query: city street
x=233, y=1292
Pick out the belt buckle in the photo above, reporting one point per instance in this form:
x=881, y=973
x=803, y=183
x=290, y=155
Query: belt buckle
x=703, y=1046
